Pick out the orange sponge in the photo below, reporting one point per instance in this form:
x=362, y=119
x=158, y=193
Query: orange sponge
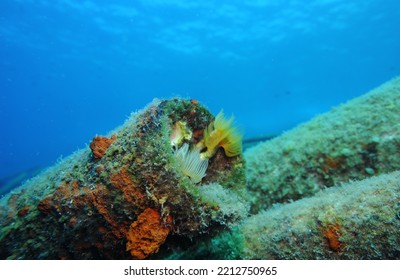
x=147, y=234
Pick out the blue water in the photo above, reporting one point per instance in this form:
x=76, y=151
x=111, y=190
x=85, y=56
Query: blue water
x=71, y=69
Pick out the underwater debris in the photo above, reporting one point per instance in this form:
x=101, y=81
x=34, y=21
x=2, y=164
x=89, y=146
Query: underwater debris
x=221, y=133
x=120, y=201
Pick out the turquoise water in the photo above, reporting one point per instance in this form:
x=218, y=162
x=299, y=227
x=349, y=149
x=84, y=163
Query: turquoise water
x=72, y=69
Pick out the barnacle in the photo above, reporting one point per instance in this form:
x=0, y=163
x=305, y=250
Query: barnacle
x=191, y=164
x=221, y=133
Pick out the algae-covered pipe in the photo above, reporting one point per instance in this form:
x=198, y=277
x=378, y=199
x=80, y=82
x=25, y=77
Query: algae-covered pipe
x=354, y=141
x=358, y=220
x=164, y=176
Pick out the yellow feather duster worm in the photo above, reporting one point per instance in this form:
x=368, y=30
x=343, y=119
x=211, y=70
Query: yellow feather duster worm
x=221, y=133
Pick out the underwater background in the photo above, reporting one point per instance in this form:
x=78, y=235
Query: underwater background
x=72, y=69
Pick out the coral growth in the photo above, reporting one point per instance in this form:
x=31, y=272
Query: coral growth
x=221, y=133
